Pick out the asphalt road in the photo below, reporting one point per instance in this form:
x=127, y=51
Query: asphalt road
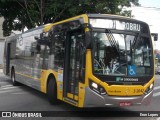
x=24, y=99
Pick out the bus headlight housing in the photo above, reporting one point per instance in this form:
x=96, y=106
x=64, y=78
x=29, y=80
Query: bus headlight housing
x=150, y=88
x=97, y=88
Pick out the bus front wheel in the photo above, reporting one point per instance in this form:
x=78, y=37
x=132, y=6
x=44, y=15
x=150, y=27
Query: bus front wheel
x=52, y=91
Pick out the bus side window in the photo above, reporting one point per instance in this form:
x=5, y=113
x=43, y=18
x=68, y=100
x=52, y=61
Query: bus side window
x=44, y=55
x=58, y=50
x=38, y=49
x=41, y=56
x=37, y=56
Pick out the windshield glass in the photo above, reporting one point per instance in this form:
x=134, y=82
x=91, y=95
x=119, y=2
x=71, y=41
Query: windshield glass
x=121, y=54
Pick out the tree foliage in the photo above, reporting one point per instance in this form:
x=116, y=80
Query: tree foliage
x=30, y=13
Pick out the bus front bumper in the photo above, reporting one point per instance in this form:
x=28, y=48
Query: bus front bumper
x=93, y=99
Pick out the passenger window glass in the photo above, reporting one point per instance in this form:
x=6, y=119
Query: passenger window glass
x=58, y=50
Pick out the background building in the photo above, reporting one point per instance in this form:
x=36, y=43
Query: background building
x=150, y=15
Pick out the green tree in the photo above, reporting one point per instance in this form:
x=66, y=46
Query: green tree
x=31, y=13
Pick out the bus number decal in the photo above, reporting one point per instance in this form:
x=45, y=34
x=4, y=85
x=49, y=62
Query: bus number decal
x=138, y=90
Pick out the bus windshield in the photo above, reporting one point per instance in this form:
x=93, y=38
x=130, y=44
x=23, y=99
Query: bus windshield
x=121, y=54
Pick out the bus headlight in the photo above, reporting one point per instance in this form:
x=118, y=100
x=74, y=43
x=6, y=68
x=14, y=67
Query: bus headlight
x=151, y=86
x=149, y=89
x=97, y=88
x=94, y=85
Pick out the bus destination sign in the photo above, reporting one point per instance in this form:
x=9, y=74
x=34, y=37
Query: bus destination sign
x=115, y=24
x=132, y=26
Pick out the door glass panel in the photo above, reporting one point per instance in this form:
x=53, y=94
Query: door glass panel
x=74, y=62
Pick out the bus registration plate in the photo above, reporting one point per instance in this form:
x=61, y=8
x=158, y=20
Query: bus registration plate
x=125, y=104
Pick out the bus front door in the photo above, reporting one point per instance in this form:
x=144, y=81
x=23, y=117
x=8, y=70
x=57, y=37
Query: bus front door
x=72, y=66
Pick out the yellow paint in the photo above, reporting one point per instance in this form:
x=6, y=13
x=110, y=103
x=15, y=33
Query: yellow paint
x=81, y=95
x=126, y=90
x=123, y=90
x=75, y=97
x=48, y=27
x=69, y=95
x=149, y=83
x=72, y=96
x=88, y=71
x=43, y=76
x=44, y=79
x=59, y=90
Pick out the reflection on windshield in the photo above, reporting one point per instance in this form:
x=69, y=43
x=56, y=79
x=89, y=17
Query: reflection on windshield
x=121, y=54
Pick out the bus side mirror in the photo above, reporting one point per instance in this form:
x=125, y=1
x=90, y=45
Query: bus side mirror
x=36, y=38
x=155, y=36
x=42, y=41
x=82, y=49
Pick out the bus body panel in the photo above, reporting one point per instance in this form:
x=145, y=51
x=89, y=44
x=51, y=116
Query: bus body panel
x=28, y=80
x=92, y=99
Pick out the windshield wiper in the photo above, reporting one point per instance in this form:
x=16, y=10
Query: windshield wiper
x=112, y=40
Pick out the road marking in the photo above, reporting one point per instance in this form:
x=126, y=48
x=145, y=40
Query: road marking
x=156, y=94
x=6, y=88
x=6, y=91
x=5, y=85
x=158, y=118
x=157, y=87
x=19, y=93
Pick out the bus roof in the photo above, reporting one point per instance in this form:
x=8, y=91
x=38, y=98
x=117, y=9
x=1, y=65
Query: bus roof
x=86, y=16
x=47, y=27
x=111, y=16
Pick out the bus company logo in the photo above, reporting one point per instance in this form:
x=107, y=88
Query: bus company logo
x=118, y=79
x=20, y=41
x=127, y=91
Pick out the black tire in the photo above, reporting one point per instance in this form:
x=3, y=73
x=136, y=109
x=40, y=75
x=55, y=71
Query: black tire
x=14, y=82
x=52, y=91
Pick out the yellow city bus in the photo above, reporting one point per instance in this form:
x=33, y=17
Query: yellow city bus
x=91, y=60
